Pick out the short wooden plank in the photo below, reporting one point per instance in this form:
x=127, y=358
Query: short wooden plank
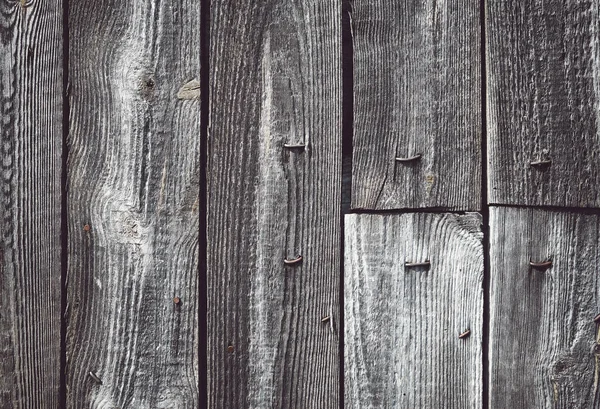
x=275, y=79
x=403, y=325
x=544, y=343
x=133, y=204
x=417, y=94
x=31, y=139
x=544, y=102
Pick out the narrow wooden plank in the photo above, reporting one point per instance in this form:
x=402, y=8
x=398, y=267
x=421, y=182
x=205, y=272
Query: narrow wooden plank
x=544, y=343
x=133, y=204
x=31, y=115
x=275, y=79
x=544, y=104
x=417, y=91
x=403, y=347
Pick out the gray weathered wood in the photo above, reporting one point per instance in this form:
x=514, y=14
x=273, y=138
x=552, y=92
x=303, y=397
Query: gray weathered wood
x=417, y=90
x=544, y=102
x=543, y=339
x=31, y=114
x=402, y=324
x=275, y=79
x=133, y=204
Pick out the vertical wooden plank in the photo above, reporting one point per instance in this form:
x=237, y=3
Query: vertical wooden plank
x=403, y=325
x=133, y=204
x=544, y=343
x=417, y=91
x=31, y=115
x=543, y=93
x=275, y=79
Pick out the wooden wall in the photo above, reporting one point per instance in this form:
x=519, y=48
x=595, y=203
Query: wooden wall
x=299, y=204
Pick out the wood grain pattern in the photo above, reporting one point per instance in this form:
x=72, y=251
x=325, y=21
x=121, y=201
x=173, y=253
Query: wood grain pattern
x=31, y=139
x=544, y=343
x=417, y=90
x=544, y=102
x=402, y=324
x=133, y=204
x=275, y=79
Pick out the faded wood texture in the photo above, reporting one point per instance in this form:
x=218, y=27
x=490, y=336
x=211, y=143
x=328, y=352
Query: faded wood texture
x=275, y=79
x=417, y=91
x=402, y=324
x=31, y=115
x=544, y=343
x=133, y=180
x=544, y=102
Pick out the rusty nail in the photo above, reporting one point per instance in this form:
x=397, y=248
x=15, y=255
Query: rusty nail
x=86, y=227
x=176, y=300
x=230, y=348
x=541, y=265
x=296, y=260
x=465, y=334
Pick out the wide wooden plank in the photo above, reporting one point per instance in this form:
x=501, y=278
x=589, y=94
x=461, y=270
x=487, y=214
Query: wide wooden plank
x=406, y=339
x=544, y=343
x=417, y=94
x=132, y=338
x=544, y=102
x=31, y=132
x=275, y=79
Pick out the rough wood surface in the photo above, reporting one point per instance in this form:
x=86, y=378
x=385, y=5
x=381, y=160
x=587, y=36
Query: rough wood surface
x=417, y=90
x=31, y=114
x=133, y=204
x=402, y=324
x=544, y=343
x=544, y=102
x=275, y=79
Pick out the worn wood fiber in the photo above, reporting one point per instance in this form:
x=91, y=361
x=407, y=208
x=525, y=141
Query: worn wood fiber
x=275, y=79
x=133, y=181
x=31, y=114
x=544, y=343
x=544, y=102
x=417, y=91
x=402, y=324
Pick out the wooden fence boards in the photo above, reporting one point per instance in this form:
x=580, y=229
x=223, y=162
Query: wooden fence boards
x=133, y=204
x=543, y=87
x=275, y=79
x=31, y=112
x=402, y=325
x=543, y=339
x=417, y=90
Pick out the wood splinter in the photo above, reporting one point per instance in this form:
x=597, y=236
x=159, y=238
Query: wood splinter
x=325, y=319
x=294, y=146
x=425, y=263
x=541, y=265
x=409, y=159
x=597, y=319
x=465, y=334
x=95, y=378
x=292, y=261
x=541, y=163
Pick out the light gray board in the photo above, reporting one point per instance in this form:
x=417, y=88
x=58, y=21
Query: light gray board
x=543, y=338
x=31, y=139
x=417, y=90
x=133, y=177
x=275, y=78
x=543, y=83
x=402, y=324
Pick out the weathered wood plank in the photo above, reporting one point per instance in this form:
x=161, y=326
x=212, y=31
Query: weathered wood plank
x=544, y=102
x=275, y=79
x=402, y=324
x=133, y=204
x=417, y=91
x=31, y=115
x=543, y=339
